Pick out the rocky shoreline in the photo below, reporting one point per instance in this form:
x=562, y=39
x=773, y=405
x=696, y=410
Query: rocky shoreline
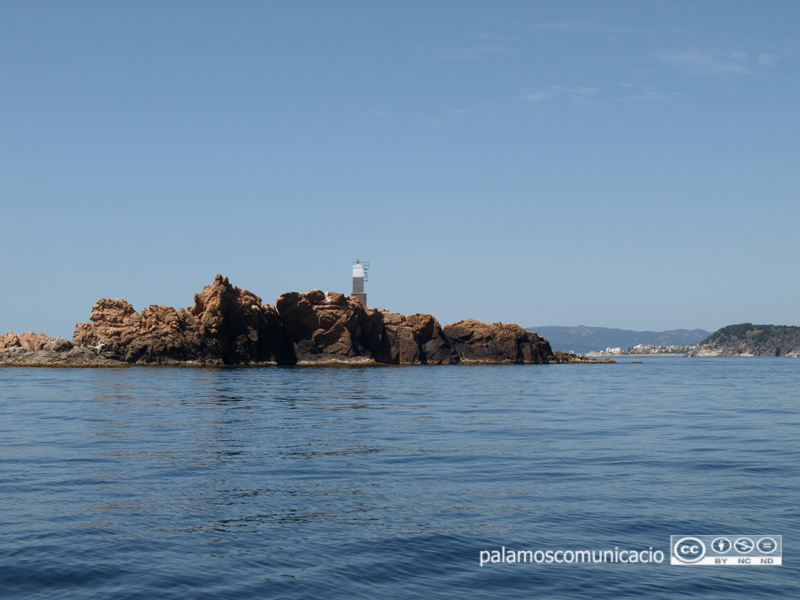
x=231, y=326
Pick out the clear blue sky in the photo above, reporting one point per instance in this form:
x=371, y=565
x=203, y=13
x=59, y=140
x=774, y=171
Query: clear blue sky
x=624, y=164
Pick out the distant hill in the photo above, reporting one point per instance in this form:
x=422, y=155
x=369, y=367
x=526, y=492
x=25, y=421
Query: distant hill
x=582, y=339
x=747, y=339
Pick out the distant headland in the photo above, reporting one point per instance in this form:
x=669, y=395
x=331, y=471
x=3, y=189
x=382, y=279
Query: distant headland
x=744, y=339
x=231, y=326
x=747, y=339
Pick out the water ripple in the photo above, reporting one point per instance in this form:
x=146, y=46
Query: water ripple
x=363, y=482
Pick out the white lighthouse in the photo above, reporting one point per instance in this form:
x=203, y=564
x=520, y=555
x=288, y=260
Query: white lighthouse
x=359, y=277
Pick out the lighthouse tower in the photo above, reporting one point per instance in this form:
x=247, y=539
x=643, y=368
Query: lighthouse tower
x=359, y=277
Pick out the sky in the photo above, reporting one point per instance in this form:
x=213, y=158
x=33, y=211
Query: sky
x=628, y=164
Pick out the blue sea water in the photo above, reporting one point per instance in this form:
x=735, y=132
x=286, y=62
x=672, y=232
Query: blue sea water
x=388, y=482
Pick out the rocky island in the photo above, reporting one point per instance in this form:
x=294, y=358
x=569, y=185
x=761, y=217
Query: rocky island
x=232, y=326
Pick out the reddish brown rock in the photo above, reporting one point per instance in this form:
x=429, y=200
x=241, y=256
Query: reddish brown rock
x=478, y=342
x=417, y=338
x=226, y=325
x=28, y=341
x=330, y=326
x=243, y=329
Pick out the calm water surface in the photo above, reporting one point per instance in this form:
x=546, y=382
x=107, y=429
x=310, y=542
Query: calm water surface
x=384, y=482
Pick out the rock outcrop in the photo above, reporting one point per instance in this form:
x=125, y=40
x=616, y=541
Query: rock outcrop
x=330, y=327
x=566, y=357
x=26, y=342
x=322, y=325
x=478, y=342
x=334, y=327
x=416, y=339
x=231, y=326
x=39, y=350
x=226, y=325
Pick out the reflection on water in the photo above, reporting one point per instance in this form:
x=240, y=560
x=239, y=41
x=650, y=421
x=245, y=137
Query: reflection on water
x=362, y=482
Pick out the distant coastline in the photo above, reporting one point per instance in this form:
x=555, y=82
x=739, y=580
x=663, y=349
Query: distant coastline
x=626, y=355
x=582, y=339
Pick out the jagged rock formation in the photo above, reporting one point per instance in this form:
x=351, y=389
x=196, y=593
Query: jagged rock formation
x=747, y=339
x=331, y=326
x=226, y=325
x=328, y=324
x=416, y=338
x=230, y=326
x=497, y=342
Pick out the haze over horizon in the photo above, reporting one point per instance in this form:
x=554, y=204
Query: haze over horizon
x=627, y=164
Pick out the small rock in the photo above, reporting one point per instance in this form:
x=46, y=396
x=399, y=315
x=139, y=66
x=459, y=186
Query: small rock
x=60, y=344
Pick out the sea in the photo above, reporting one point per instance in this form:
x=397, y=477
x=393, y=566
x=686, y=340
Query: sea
x=400, y=482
